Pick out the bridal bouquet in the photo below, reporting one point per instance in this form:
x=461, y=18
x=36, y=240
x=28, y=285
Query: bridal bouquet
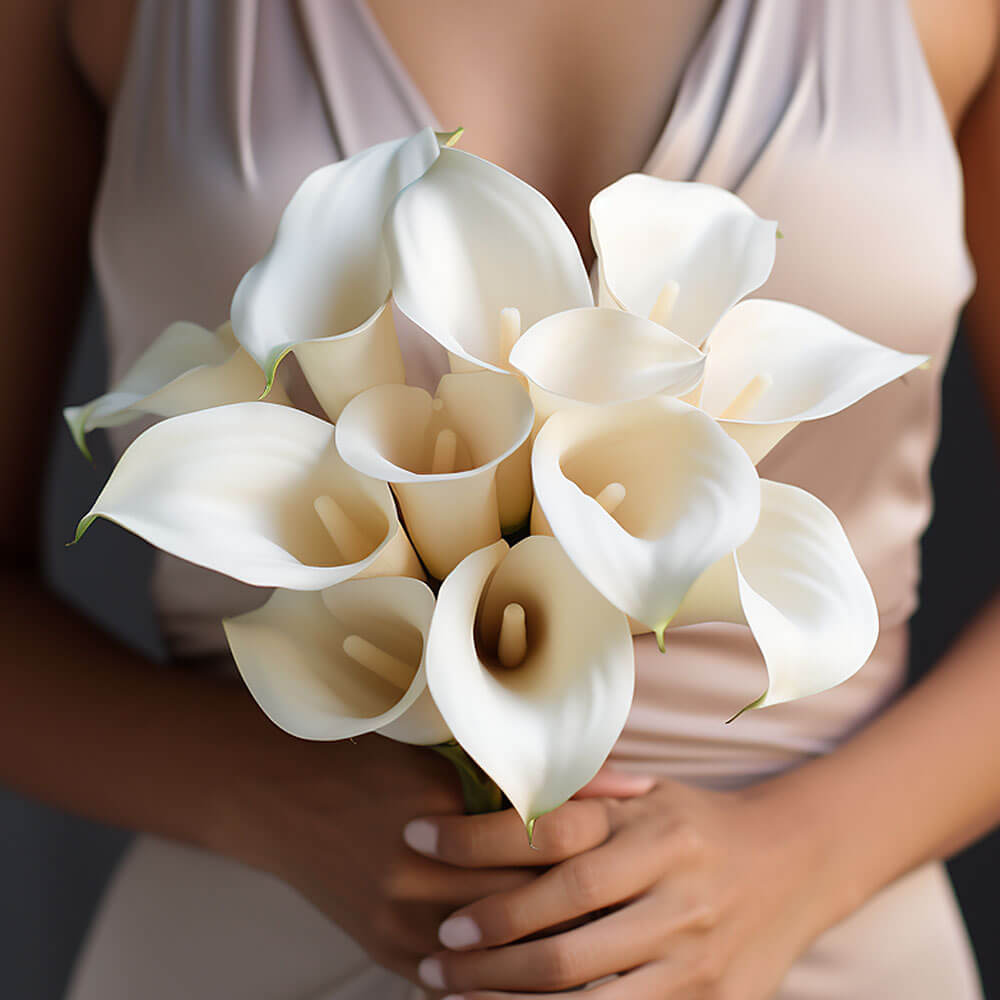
x=616, y=441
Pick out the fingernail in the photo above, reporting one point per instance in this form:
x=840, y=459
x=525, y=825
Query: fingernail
x=421, y=835
x=636, y=782
x=459, y=932
x=432, y=974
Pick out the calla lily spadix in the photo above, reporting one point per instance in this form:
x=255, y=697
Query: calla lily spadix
x=323, y=286
x=186, y=368
x=532, y=670
x=259, y=493
x=440, y=454
x=679, y=253
x=594, y=355
x=773, y=364
x=469, y=241
x=336, y=663
x=798, y=585
x=644, y=496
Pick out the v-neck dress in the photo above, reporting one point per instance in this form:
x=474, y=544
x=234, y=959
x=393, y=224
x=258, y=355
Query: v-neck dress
x=822, y=115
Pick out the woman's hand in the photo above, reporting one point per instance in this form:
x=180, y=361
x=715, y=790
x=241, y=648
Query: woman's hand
x=329, y=818
x=690, y=893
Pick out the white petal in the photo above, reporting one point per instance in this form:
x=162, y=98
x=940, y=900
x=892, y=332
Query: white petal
x=650, y=232
x=691, y=495
x=469, y=240
x=802, y=365
x=804, y=595
x=233, y=489
x=326, y=275
x=606, y=356
x=186, y=368
x=542, y=729
x=392, y=432
x=291, y=653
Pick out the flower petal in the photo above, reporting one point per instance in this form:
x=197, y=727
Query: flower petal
x=773, y=363
x=440, y=455
x=470, y=240
x=326, y=276
x=694, y=244
x=234, y=489
x=543, y=727
x=186, y=368
x=683, y=494
x=299, y=657
x=596, y=355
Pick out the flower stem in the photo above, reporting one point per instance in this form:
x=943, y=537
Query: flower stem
x=479, y=790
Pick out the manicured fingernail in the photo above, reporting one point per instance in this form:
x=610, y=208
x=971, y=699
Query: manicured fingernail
x=421, y=835
x=431, y=973
x=638, y=783
x=459, y=932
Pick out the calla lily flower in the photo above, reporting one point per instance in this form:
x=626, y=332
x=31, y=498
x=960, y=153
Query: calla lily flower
x=336, y=663
x=532, y=670
x=186, y=368
x=322, y=288
x=602, y=356
x=441, y=456
x=259, y=493
x=773, y=364
x=678, y=252
x=644, y=497
x=469, y=241
x=798, y=585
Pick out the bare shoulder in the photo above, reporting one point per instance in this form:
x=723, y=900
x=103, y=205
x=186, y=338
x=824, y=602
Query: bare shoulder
x=98, y=33
x=960, y=43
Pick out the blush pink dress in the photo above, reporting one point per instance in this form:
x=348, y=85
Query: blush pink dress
x=821, y=115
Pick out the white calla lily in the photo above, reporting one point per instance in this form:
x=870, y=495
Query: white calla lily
x=532, y=669
x=441, y=455
x=644, y=496
x=798, y=585
x=336, y=663
x=469, y=241
x=259, y=493
x=681, y=253
x=323, y=286
x=773, y=364
x=186, y=368
x=594, y=355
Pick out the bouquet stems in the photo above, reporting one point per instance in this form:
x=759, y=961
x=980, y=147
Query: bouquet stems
x=479, y=790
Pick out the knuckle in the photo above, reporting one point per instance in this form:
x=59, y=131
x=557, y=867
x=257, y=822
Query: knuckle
x=584, y=885
x=558, y=838
x=707, y=973
x=704, y=915
x=560, y=965
x=686, y=841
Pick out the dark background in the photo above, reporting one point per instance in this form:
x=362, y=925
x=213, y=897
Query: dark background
x=52, y=866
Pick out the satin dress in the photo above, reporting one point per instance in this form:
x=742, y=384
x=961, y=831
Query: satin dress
x=820, y=114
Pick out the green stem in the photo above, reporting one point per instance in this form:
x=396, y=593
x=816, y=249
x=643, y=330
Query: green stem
x=479, y=790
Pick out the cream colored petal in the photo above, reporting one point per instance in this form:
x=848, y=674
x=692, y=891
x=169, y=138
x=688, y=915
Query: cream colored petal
x=440, y=455
x=773, y=364
x=542, y=728
x=598, y=355
x=804, y=596
x=186, y=368
x=326, y=275
x=652, y=233
x=686, y=495
x=295, y=655
x=470, y=240
x=234, y=489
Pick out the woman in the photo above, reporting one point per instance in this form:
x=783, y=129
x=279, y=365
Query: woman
x=741, y=862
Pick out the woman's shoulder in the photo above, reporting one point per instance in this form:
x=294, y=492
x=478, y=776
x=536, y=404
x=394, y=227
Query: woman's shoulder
x=960, y=44
x=98, y=32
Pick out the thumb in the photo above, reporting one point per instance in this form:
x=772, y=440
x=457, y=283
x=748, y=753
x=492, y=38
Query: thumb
x=610, y=782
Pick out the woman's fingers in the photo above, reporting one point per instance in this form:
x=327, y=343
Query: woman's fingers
x=612, y=783
x=616, y=943
x=499, y=840
x=612, y=873
x=418, y=879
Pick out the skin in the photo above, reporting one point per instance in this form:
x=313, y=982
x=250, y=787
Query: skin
x=704, y=903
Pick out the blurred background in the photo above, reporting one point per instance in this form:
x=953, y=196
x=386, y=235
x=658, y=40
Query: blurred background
x=54, y=866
